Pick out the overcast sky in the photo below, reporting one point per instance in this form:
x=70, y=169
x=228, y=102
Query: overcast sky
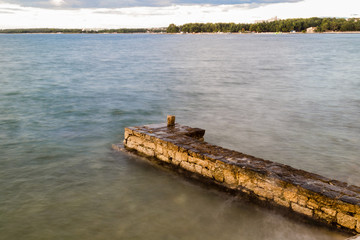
x=160, y=13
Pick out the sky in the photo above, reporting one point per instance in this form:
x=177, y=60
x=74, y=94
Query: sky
x=160, y=13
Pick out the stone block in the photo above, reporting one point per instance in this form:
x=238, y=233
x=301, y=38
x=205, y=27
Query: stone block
x=290, y=194
x=329, y=211
x=344, y=207
x=242, y=177
x=302, y=200
x=206, y=173
x=135, y=139
x=182, y=156
x=146, y=151
x=159, y=149
x=175, y=161
x=203, y=163
x=312, y=204
x=324, y=216
x=130, y=144
x=322, y=200
x=196, y=154
x=192, y=159
x=263, y=193
x=163, y=158
x=138, y=134
x=172, y=147
x=300, y=209
x=357, y=209
x=188, y=166
x=150, y=145
x=219, y=175
x=198, y=168
x=249, y=185
x=211, y=166
x=346, y=220
x=147, y=137
x=229, y=177
x=357, y=228
x=171, y=153
x=271, y=187
x=127, y=133
x=160, y=142
x=282, y=202
x=220, y=164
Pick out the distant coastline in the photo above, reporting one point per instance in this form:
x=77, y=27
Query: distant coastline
x=277, y=26
x=294, y=25
x=81, y=31
x=165, y=33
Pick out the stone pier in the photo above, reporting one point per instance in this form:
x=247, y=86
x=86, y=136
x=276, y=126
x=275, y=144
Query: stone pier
x=322, y=199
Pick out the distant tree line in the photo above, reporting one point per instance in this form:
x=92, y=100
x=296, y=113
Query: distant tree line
x=66, y=30
x=287, y=25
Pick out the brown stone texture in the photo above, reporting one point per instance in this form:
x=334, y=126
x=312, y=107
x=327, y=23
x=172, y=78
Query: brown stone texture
x=282, y=202
x=329, y=211
x=346, y=220
x=301, y=209
x=291, y=195
x=229, y=177
x=308, y=194
x=312, y=204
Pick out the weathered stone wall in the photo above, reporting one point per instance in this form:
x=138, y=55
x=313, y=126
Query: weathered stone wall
x=329, y=201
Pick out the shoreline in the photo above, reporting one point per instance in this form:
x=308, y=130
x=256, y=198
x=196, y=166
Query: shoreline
x=200, y=33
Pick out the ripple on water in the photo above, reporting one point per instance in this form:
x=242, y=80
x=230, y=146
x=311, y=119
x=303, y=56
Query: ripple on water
x=64, y=99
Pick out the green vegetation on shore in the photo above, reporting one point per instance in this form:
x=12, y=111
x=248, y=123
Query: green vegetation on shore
x=65, y=30
x=287, y=25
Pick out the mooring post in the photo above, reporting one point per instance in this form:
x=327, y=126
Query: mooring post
x=170, y=120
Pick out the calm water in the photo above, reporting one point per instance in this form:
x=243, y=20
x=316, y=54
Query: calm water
x=64, y=99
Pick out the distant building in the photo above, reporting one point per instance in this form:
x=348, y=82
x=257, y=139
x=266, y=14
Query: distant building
x=269, y=20
x=311, y=30
x=272, y=19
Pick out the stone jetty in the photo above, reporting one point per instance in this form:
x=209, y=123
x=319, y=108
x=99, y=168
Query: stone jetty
x=325, y=200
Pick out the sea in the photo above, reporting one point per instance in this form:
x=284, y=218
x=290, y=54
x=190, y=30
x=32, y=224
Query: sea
x=66, y=98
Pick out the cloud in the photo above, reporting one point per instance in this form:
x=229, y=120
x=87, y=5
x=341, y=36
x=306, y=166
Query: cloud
x=57, y=3
x=134, y=3
x=60, y=16
x=6, y=12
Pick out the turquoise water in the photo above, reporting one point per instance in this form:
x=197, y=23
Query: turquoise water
x=64, y=99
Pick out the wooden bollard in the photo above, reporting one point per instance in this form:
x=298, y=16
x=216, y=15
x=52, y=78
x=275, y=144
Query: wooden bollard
x=170, y=120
